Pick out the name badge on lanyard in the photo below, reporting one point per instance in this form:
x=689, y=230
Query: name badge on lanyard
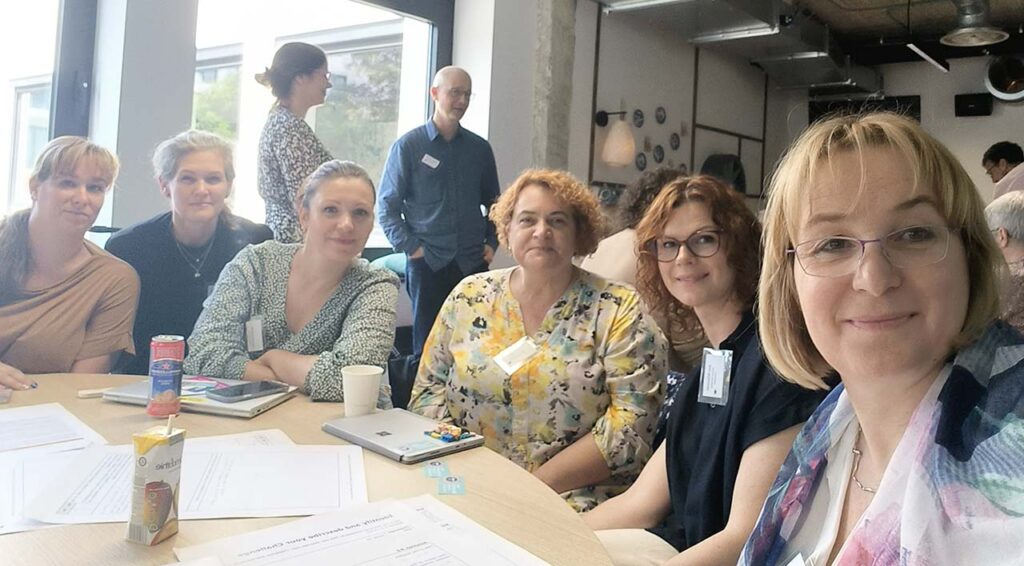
x=715, y=374
x=515, y=356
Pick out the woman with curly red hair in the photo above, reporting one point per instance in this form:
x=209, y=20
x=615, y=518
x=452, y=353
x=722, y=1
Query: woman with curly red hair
x=731, y=420
x=556, y=367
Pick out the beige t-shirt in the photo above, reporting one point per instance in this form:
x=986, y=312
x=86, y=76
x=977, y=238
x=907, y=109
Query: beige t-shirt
x=89, y=314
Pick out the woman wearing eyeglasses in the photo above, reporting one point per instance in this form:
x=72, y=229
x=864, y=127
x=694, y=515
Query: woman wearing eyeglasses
x=289, y=150
x=731, y=421
x=879, y=269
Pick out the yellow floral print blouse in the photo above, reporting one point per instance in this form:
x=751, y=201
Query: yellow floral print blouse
x=600, y=367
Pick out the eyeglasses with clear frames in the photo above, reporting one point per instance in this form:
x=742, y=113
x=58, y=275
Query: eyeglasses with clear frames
x=704, y=243
x=460, y=93
x=836, y=256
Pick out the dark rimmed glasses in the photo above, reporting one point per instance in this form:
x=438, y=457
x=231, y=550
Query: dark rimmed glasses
x=836, y=256
x=703, y=243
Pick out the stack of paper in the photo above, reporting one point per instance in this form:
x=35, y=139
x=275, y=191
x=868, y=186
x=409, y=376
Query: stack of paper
x=411, y=532
x=36, y=444
x=246, y=475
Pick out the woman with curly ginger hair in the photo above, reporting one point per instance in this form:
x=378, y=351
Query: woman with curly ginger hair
x=700, y=493
x=556, y=367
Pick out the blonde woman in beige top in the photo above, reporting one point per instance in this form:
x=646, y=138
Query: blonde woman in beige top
x=65, y=304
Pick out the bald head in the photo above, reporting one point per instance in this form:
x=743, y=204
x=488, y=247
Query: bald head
x=451, y=92
x=449, y=75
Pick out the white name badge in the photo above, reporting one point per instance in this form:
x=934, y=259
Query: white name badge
x=254, y=334
x=715, y=373
x=430, y=161
x=512, y=358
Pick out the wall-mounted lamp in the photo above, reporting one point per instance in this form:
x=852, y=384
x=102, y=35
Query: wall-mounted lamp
x=619, y=145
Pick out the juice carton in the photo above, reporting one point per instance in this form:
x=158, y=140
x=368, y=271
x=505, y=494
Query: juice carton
x=155, y=485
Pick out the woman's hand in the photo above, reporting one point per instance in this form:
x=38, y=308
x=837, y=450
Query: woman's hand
x=12, y=378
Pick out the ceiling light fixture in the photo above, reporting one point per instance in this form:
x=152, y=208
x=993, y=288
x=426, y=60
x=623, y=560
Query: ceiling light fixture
x=973, y=28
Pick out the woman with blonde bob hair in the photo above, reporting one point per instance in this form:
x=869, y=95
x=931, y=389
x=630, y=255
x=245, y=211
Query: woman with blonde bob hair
x=65, y=304
x=697, y=499
x=557, y=368
x=879, y=269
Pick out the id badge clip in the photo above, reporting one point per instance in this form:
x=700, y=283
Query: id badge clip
x=715, y=375
x=254, y=334
x=515, y=356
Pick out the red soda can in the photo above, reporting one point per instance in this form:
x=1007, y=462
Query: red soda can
x=166, y=357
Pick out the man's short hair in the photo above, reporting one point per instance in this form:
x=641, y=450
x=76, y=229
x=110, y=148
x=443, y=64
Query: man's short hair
x=1009, y=151
x=1007, y=212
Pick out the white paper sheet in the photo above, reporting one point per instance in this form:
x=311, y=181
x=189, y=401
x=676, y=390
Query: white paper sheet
x=499, y=550
x=43, y=428
x=388, y=532
x=217, y=481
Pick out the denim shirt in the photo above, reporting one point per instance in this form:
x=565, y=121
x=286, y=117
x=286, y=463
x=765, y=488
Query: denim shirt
x=431, y=192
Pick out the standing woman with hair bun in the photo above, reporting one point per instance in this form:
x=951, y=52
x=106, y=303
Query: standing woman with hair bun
x=289, y=150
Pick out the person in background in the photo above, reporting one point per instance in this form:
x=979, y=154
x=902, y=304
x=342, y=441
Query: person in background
x=179, y=254
x=1005, y=217
x=298, y=313
x=1001, y=165
x=697, y=499
x=880, y=271
x=65, y=304
x=557, y=368
x=289, y=150
x=435, y=181
x=609, y=261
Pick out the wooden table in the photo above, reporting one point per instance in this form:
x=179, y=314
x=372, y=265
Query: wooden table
x=499, y=495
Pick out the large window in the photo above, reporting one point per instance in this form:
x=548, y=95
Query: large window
x=25, y=91
x=379, y=63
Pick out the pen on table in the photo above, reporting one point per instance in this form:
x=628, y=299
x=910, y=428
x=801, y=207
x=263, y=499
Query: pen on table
x=91, y=393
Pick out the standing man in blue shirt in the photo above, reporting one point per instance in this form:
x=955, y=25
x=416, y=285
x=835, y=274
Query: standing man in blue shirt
x=438, y=184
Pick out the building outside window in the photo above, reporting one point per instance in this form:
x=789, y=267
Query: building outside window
x=25, y=93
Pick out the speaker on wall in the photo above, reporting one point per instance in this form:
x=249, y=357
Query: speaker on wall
x=975, y=104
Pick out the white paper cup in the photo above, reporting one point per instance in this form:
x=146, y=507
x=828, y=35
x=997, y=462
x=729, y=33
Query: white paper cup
x=361, y=385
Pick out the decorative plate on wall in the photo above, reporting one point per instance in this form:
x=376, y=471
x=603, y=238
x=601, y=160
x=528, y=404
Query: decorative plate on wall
x=659, y=154
x=641, y=160
x=673, y=141
x=659, y=114
x=638, y=118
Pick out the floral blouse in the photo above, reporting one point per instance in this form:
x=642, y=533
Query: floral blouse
x=599, y=367
x=289, y=152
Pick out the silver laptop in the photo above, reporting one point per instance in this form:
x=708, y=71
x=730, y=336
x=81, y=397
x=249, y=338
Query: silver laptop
x=397, y=434
x=194, y=400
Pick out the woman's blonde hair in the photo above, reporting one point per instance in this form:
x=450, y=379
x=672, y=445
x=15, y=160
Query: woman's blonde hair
x=59, y=157
x=784, y=336
x=582, y=202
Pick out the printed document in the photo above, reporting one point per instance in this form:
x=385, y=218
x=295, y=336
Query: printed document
x=44, y=428
x=218, y=480
x=401, y=533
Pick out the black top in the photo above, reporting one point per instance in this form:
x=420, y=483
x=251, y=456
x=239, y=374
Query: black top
x=172, y=296
x=704, y=443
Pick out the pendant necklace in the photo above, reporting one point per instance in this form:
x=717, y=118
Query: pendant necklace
x=195, y=262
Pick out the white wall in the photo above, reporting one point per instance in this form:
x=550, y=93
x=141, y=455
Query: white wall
x=966, y=137
x=642, y=68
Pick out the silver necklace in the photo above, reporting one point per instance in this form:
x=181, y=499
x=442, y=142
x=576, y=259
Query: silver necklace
x=856, y=464
x=196, y=263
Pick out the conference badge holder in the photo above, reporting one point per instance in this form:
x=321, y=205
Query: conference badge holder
x=715, y=374
x=515, y=356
